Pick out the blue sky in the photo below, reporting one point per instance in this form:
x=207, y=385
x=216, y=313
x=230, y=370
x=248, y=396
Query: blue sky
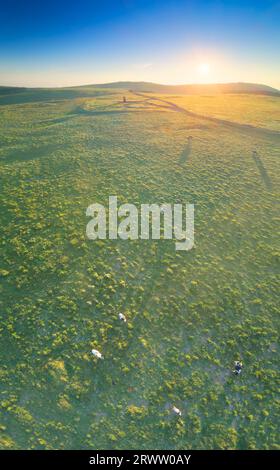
x=61, y=43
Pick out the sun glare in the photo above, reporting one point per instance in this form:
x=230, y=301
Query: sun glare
x=204, y=69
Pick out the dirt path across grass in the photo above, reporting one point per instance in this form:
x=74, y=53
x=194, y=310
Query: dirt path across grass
x=242, y=127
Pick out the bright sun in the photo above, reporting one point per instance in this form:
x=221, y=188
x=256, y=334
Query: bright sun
x=203, y=69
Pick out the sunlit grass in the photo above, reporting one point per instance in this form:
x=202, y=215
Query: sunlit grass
x=190, y=315
x=257, y=110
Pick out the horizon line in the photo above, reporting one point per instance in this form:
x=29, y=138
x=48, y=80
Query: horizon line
x=140, y=81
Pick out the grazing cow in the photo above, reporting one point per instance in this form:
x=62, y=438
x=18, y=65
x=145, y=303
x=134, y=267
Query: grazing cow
x=177, y=411
x=122, y=317
x=237, y=367
x=96, y=353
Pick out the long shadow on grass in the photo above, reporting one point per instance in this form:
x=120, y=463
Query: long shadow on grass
x=55, y=121
x=186, y=152
x=99, y=113
x=25, y=95
x=265, y=177
x=28, y=154
x=156, y=269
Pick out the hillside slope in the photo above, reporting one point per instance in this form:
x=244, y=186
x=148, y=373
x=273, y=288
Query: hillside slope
x=195, y=89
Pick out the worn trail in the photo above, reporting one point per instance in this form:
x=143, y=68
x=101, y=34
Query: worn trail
x=242, y=127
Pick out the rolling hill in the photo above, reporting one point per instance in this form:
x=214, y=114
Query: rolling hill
x=16, y=95
x=214, y=88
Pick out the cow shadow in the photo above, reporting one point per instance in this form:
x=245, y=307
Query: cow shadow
x=264, y=175
x=186, y=152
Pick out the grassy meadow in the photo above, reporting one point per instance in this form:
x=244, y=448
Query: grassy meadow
x=258, y=110
x=189, y=314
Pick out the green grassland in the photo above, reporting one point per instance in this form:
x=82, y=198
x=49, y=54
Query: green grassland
x=259, y=110
x=190, y=314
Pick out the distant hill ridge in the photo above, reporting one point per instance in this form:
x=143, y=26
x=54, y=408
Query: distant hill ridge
x=250, y=88
x=195, y=88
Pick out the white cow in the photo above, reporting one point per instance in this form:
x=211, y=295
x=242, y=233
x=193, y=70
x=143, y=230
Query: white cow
x=96, y=353
x=122, y=317
x=177, y=411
